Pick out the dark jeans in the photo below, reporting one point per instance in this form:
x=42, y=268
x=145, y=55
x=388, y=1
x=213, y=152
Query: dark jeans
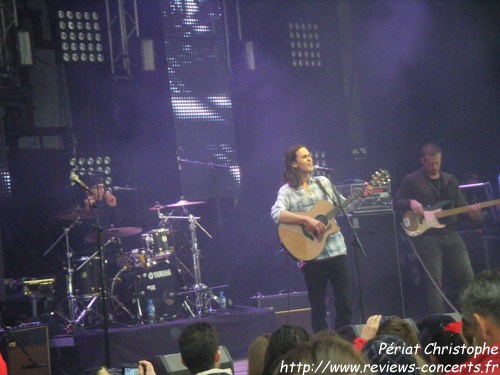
x=444, y=249
x=317, y=275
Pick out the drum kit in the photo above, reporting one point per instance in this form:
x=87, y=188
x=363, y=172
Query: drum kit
x=151, y=272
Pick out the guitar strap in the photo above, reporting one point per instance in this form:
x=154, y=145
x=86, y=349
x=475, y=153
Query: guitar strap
x=324, y=190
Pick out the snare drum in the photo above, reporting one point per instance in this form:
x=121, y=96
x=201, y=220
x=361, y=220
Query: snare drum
x=86, y=279
x=156, y=241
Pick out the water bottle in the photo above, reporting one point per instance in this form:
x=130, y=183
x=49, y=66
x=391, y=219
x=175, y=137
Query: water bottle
x=222, y=301
x=151, y=312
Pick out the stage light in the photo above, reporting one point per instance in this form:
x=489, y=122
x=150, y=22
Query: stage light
x=84, y=30
x=92, y=166
x=305, y=45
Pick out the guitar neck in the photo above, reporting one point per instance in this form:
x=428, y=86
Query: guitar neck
x=337, y=209
x=461, y=210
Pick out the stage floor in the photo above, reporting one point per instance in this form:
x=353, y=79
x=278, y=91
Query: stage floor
x=237, y=329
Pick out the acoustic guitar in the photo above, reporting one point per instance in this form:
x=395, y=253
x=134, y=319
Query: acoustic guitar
x=304, y=244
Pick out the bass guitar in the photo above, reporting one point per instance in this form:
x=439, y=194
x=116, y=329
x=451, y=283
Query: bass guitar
x=304, y=244
x=415, y=225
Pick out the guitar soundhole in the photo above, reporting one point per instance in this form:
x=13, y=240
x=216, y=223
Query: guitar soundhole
x=323, y=219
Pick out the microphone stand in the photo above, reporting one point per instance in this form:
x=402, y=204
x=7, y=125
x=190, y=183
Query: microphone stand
x=102, y=285
x=357, y=246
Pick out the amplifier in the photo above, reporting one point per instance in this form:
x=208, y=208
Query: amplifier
x=282, y=302
x=35, y=340
x=380, y=200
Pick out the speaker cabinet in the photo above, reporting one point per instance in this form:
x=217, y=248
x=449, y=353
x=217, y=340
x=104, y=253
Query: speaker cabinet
x=35, y=340
x=379, y=274
x=301, y=317
x=171, y=364
x=477, y=246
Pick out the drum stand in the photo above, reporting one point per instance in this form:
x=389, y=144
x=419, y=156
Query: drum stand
x=109, y=296
x=75, y=317
x=202, y=293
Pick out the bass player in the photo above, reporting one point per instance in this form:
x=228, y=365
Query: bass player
x=298, y=194
x=437, y=246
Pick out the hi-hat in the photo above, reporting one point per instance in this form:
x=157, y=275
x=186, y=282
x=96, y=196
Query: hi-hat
x=82, y=213
x=113, y=233
x=183, y=202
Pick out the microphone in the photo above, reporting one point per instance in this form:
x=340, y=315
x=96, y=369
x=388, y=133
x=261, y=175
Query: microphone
x=319, y=168
x=179, y=152
x=123, y=188
x=75, y=179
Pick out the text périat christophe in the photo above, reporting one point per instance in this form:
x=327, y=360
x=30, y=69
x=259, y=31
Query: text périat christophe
x=434, y=349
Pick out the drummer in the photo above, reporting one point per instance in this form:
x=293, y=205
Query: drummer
x=104, y=201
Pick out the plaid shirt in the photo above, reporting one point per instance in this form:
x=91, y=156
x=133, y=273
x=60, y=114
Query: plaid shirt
x=297, y=200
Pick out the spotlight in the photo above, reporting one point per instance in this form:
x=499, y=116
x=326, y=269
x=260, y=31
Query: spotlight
x=84, y=27
x=304, y=44
x=92, y=165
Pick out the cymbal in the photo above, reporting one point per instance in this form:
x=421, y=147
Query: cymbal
x=157, y=207
x=113, y=232
x=75, y=213
x=183, y=202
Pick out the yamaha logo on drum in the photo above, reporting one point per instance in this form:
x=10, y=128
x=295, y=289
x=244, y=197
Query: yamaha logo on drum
x=159, y=274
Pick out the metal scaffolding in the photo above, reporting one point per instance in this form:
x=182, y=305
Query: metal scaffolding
x=123, y=23
x=9, y=22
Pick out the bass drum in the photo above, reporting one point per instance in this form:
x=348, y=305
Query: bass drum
x=162, y=283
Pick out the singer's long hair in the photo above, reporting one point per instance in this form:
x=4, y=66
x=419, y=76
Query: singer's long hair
x=290, y=174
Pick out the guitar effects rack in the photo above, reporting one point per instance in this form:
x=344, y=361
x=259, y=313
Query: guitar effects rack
x=379, y=201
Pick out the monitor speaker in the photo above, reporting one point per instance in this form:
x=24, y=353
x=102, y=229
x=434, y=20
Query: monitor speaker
x=351, y=332
x=171, y=364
